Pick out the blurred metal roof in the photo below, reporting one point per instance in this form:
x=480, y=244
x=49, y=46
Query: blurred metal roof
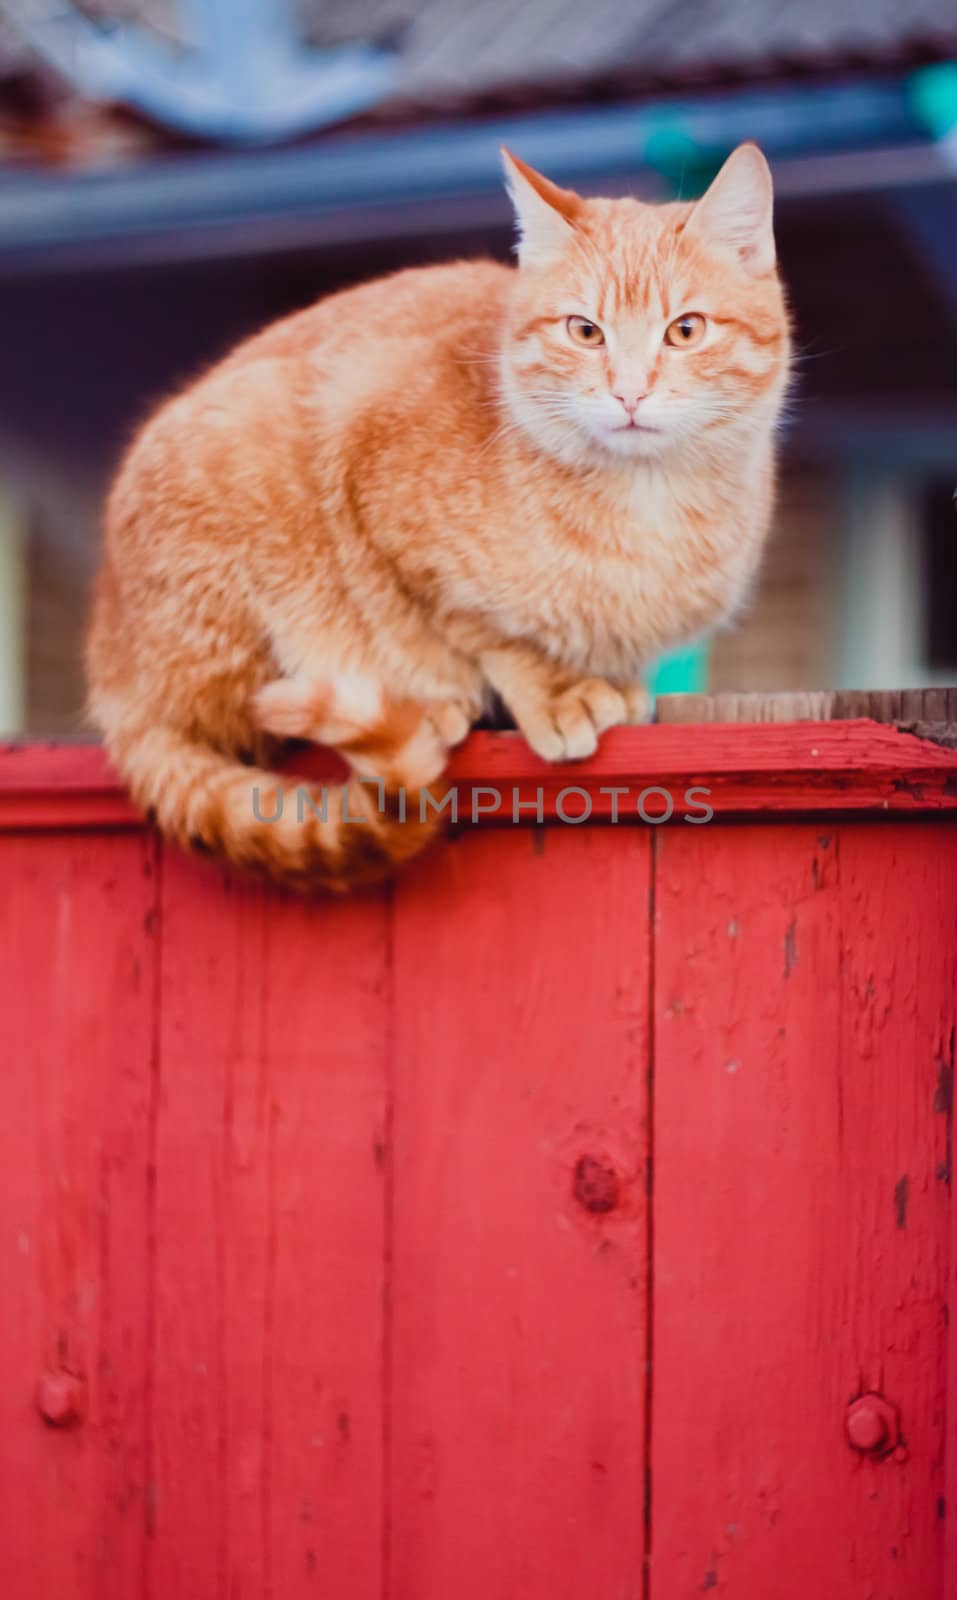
x=456, y=57
x=463, y=49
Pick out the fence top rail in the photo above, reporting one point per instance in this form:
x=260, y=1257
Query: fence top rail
x=749, y=764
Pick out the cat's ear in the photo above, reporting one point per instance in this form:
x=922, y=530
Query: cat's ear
x=545, y=214
x=735, y=216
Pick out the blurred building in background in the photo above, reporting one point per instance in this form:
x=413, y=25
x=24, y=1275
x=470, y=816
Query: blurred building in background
x=174, y=173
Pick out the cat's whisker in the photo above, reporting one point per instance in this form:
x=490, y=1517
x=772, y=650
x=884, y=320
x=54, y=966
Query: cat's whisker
x=802, y=356
x=507, y=428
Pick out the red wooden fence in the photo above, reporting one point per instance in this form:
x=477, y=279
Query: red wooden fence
x=523, y=1231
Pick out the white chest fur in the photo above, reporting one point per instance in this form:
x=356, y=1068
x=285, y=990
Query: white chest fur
x=618, y=579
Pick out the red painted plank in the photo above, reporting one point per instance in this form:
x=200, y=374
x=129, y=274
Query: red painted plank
x=270, y=1242
x=946, y=1104
x=329, y=983
x=737, y=770
x=805, y=996
x=61, y=785
x=760, y=748
x=76, y=1030
x=790, y=768
x=518, y=1370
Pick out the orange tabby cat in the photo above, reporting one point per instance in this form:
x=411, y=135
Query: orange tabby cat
x=458, y=479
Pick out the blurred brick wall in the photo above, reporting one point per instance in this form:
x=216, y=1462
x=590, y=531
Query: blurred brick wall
x=788, y=637
x=57, y=602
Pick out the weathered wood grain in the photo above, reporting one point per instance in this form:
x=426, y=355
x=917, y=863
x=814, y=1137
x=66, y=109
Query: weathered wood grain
x=519, y=1267
x=931, y=708
x=744, y=770
x=806, y=984
x=77, y=935
x=270, y=1250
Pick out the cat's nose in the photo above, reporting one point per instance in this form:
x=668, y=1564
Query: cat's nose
x=631, y=401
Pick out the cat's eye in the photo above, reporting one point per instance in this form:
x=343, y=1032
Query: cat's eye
x=584, y=332
x=687, y=331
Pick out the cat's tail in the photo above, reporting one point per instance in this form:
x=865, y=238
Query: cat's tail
x=309, y=836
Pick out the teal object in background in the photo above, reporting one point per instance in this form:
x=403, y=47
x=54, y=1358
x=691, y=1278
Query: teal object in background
x=670, y=147
x=933, y=97
x=680, y=672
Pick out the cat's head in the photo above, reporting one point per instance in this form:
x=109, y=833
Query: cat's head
x=636, y=329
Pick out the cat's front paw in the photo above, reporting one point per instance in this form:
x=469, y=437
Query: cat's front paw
x=451, y=720
x=565, y=727
x=292, y=708
x=639, y=702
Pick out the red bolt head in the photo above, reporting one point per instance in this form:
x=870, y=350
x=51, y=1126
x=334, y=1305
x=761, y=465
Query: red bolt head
x=60, y=1398
x=872, y=1424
